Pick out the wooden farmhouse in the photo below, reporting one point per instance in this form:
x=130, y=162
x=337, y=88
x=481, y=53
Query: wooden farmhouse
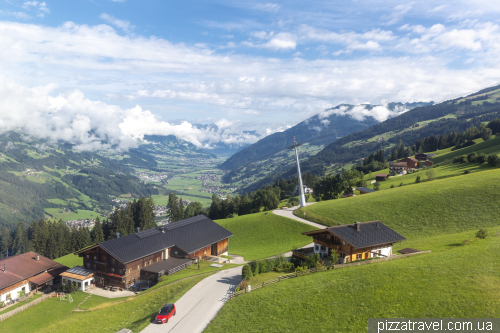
x=411, y=163
x=398, y=168
x=26, y=272
x=381, y=177
x=354, y=241
x=149, y=254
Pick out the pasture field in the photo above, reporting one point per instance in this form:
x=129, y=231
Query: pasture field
x=80, y=215
x=430, y=208
x=454, y=280
x=262, y=235
x=70, y=260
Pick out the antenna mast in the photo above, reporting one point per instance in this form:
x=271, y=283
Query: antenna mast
x=301, y=187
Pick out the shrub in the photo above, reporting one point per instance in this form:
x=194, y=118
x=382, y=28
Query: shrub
x=246, y=272
x=417, y=180
x=460, y=159
x=401, y=184
x=392, y=186
x=243, y=285
x=255, y=267
x=289, y=205
x=376, y=186
x=494, y=160
x=481, y=158
x=471, y=157
x=466, y=172
x=288, y=266
x=2, y=304
x=295, y=262
x=279, y=260
x=270, y=265
x=301, y=269
x=263, y=267
x=482, y=233
x=313, y=260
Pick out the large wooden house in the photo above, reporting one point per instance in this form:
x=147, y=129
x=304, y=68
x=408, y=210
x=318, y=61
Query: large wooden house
x=354, y=241
x=151, y=253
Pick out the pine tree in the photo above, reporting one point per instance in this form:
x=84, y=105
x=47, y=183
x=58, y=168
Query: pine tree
x=5, y=242
x=172, y=206
x=97, y=232
x=180, y=210
x=40, y=236
x=52, y=250
x=20, y=239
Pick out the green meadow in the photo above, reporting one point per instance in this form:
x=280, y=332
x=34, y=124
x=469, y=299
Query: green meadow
x=430, y=208
x=70, y=260
x=454, y=280
x=262, y=235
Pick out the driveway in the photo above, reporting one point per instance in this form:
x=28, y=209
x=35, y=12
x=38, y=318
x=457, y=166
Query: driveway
x=200, y=304
x=289, y=213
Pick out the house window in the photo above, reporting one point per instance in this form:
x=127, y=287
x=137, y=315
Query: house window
x=157, y=259
x=130, y=270
x=7, y=296
x=87, y=256
x=113, y=261
x=95, y=257
x=145, y=264
x=379, y=253
x=112, y=270
x=138, y=266
x=343, y=243
x=121, y=271
x=150, y=262
x=94, y=266
x=358, y=256
x=88, y=265
x=79, y=285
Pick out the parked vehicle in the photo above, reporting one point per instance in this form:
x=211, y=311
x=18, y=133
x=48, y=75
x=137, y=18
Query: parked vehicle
x=165, y=313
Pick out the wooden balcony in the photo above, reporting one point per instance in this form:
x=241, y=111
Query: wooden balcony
x=327, y=243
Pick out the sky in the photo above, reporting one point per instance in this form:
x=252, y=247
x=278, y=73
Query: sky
x=87, y=71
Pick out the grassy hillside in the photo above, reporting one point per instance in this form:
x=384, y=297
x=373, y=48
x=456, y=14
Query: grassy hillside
x=263, y=235
x=457, y=281
x=70, y=260
x=440, y=206
x=487, y=147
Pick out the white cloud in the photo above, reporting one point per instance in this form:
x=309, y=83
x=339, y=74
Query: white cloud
x=360, y=112
x=398, y=13
x=122, y=24
x=40, y=6
x=268, y=7
x=17, y=15
x=277, y=42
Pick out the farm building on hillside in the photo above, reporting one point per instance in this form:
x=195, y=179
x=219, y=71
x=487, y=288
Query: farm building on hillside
x=381, y=177
x=22, y=273
x=398, y=168
x=423, y=157
x=365, y=190
x=427, y=164
x=354, y=241
x=411, y=163
x=149, y=254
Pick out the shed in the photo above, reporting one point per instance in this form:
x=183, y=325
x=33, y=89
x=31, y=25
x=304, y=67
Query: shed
x=427, y=163
x=364, y=190
x=381, y=176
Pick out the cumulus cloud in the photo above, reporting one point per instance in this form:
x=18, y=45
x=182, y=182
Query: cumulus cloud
x=360, y=112
x=87, y=124
x=279, y=41
x=122, y=24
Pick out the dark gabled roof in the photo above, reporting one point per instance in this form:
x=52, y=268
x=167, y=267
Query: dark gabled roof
x=370, y=234
x=365, y=189
x=190, y=235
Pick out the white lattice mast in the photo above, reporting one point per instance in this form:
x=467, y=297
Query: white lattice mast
x=301, y=187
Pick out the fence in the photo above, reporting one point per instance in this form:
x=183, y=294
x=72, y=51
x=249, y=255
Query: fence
x=321, y=269
x=280, y=278
x=26, y=306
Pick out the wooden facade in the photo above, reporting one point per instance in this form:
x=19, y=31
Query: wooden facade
x=14, y=287
x=110, y=271
x=346, y=251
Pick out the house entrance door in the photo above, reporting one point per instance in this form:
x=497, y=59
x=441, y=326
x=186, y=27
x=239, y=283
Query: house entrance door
x=214, y=249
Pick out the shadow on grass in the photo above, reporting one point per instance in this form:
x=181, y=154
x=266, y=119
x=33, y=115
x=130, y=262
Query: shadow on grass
x=455, y=244
x=148, y=319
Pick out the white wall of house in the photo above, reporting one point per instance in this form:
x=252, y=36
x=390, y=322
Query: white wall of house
x=386, y=251
x=14, y=293
x=322, y=250
x=83, y=284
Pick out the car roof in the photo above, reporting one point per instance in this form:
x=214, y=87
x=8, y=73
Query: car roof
x=168, y=305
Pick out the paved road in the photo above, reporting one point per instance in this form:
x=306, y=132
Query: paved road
x=289, y=213
x=200, y=304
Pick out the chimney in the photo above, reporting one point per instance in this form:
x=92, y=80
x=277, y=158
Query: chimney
x=340, y=223
x=117, y=235
x=138, y=229
x=163, y=230
x=37, y=257
x=358, y=226
x=377, y=225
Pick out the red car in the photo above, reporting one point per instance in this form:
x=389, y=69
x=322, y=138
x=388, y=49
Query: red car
x=165, y=313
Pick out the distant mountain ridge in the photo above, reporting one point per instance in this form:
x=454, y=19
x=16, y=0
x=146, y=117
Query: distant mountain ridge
x=320, y=129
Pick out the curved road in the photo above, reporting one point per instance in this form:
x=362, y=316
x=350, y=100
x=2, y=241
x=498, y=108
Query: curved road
x=200, y=304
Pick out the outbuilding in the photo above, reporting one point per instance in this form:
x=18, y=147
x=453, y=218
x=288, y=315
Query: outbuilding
x=381, y=177
x=80, y=276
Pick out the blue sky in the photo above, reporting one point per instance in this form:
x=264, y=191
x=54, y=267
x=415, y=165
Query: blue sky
x=128, y=68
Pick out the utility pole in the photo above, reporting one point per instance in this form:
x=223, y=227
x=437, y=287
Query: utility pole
x=302, y=197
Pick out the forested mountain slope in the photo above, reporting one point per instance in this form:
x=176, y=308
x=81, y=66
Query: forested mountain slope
x=35, y=175
x=453, y=115
x=319, y=130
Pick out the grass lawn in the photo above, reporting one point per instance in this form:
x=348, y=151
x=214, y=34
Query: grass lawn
x=20, y=304
x=134, y=313
x=430, y=208
x=41, y=315
x=70, y=260
x=457, y=281
x=262, y=235
x=259, y=278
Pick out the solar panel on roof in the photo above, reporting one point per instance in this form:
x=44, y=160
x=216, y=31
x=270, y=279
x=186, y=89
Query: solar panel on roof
x=182, y=223
x=79, y=271
x=147, y=233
